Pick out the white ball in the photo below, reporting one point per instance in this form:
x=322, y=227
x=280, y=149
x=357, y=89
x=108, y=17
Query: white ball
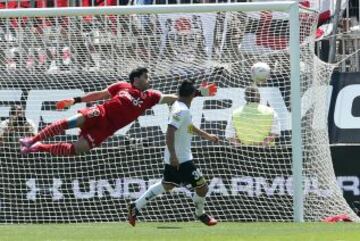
x=260, y=72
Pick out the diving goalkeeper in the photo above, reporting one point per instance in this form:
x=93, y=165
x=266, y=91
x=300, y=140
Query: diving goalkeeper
x=253, y=123
x=126, y=102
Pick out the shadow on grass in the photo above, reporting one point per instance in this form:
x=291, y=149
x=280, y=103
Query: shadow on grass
x=168, y=227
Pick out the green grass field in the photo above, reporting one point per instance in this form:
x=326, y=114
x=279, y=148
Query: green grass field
x=182, y=232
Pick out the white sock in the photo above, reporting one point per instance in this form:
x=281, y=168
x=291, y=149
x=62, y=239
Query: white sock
x=199, y=204
x=153, y=191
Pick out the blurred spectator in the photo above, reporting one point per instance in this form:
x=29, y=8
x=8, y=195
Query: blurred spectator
x=146, y=2
x=51, y=3
x=15, y=127
x=143, y=2
x=16, y=22
x=253, y=123
x=15, y=4
x=95, y=3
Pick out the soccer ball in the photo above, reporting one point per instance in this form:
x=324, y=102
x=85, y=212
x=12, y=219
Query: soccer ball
x=260, y=71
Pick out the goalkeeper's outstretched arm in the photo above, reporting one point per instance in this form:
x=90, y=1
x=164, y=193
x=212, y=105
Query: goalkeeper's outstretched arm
x=89, y=97
x=168, y=99
x=96, y=95
x=205, y=89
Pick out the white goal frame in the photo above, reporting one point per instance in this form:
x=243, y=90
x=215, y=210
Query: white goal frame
x=290, y=7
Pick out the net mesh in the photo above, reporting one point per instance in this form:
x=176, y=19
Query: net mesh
x=45, y=59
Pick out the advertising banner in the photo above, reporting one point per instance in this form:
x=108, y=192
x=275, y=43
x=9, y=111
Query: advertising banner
x=344, y=111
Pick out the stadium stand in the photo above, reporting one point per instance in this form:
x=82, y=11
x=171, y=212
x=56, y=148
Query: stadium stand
x=348, y=31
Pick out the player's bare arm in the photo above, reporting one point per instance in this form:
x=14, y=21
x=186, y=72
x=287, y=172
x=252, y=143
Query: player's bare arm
x=204, y=134
x=170, y=142
x=168, y=99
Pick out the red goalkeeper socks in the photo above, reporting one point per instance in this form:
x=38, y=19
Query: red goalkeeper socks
x=58, y=149
x=53, y=129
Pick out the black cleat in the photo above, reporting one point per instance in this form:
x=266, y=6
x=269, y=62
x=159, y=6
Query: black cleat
x=207, y=220
x=132, y=213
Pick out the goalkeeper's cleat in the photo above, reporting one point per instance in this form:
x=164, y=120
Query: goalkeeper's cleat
x=34, y=148
x=26, y=142
x=208, y=89
x=132, y=213
x=207, y=220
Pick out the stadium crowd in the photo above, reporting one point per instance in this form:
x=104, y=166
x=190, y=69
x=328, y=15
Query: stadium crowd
x=58, y=54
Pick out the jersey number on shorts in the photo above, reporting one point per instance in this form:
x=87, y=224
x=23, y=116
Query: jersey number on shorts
x=197, y=174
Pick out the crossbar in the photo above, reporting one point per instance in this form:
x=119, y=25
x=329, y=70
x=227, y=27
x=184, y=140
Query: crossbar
x=282, y=6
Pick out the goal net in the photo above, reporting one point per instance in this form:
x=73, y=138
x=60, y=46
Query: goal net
x=47, y=58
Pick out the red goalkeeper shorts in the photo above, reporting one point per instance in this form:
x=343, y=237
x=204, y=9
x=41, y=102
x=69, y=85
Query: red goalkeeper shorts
x=96, y=127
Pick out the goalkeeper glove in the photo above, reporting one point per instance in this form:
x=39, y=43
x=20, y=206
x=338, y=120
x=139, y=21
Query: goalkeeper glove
x=62, y=104
x=206, y=89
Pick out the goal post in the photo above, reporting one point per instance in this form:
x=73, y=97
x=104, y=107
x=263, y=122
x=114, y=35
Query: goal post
x=56, y=53
x=296, y=111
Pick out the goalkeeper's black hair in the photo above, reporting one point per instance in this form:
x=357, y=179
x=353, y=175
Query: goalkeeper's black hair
x=186, y=88
x=136, y=73
x=252, y=94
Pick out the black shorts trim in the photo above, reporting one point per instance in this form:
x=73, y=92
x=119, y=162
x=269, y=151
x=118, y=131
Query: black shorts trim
x=188, y=173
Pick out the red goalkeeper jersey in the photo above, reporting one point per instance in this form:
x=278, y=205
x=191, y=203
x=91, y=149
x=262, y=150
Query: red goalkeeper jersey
x=127, y=103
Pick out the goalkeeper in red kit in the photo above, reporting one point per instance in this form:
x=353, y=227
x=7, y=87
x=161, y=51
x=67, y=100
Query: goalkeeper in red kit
x=124, y=103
